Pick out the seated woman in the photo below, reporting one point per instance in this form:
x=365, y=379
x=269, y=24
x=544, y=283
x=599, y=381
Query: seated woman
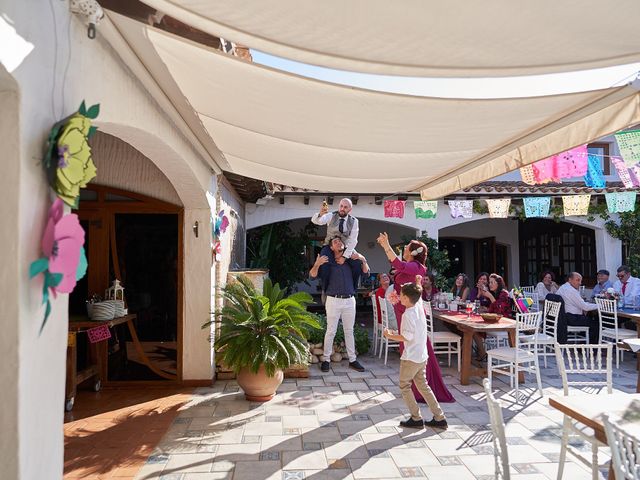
x=382, y=293
x=460, y=287
x=482, y=283
x=499, y=302
x=429, y=288
x=546, y=286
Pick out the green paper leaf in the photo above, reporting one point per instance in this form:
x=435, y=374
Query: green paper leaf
x=38, y=266
x=54, y=279
x=82, y=265
x=83, y=109
x=93, y=111
x=92, y=130
x=47, y=311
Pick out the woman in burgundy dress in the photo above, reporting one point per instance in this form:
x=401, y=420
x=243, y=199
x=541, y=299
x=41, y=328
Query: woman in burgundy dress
x=413, y=261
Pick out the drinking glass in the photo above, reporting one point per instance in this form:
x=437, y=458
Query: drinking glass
x=469, y=308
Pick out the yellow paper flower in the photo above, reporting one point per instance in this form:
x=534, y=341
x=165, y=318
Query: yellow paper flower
x=75, y=166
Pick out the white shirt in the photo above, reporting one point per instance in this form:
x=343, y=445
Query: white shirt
x=352, y=239
x=573, y=302
x=542, y=291
x=414, y=331
x=632, y=290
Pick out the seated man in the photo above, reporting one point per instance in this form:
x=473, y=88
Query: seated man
x=626, y=285
x=603, y=283
x=574, y=307
x=339, y=224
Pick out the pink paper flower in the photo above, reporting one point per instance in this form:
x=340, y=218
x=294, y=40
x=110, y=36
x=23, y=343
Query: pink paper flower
x=62, y=244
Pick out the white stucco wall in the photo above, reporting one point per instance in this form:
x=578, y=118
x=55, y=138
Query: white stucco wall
x=63, y=68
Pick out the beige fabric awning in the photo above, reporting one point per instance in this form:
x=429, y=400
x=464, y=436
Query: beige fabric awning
x=427, y=38
x=287, y=129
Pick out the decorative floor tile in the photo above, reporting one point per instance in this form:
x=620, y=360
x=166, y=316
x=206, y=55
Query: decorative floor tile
x=411, y=472
x=311, y=446
x=153, y=459
x=448, y=435
x=553, y=457
x=485, y=477
x=181, y=421
x=483, y=449
x=516, y=441
x=326, y=423
x=446, y=461
x=273, y=419
x=379, y=453
x=304, y=411
x=351, y=438
x=270, y=456
x=291, y=431
x=524, y=468
x=293, y=475
x=360, y=416
x=386, y=429
x=251, y=439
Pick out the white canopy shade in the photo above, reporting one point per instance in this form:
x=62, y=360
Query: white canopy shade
x=287, y=129
x=424, y=37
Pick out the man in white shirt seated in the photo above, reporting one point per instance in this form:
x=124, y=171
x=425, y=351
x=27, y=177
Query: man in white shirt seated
x=626, y=285
x=574, y=308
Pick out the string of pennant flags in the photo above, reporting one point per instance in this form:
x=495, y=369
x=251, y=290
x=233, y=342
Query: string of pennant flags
x=572, y=205
x=579, y=162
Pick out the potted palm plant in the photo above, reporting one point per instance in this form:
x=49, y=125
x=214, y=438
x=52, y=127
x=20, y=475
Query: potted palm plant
x=262, y=334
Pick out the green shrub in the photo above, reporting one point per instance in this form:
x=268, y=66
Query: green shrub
x=360, y=335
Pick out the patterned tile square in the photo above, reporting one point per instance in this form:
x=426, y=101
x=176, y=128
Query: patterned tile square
x=181, y=421
x=154, y=459
x=386, y=429
x=273, y=419
x=293, y=475
x=449, y=460
x=449, y=435
x=251, y=439
x=291, y=431
x=360, y=416
x=516, y=441
x=351, y=438
x=311, y=446
x=270, y=456
x=379, y=453
x=483, y=449
x=306, y=411
x=553, y=457
x=411, y=472
x=525, y=468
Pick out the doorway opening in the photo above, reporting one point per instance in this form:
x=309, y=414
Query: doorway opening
x=138, y=241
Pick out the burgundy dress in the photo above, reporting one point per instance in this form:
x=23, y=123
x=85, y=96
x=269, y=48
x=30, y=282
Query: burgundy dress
x=406, y=273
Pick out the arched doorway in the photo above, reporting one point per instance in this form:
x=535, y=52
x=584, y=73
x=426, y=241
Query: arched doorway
x=137, y=240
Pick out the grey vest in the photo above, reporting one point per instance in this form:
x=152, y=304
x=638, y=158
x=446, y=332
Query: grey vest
x=333, y=228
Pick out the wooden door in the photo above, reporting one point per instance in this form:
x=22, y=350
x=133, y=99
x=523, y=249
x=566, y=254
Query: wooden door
x=485, y=255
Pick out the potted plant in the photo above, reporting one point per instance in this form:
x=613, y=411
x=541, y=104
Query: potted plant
x=262, y=334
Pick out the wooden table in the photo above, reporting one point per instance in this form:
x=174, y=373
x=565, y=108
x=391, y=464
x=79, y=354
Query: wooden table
x=98, y=356
x=470, y=327
x=633, y=315
x=588, y=410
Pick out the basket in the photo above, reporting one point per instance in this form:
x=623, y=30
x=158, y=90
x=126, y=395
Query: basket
x=491, y=317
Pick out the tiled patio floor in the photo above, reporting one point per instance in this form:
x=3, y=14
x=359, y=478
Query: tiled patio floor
x=344, y=424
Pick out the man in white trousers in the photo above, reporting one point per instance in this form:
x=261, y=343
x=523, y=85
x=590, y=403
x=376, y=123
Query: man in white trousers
x=339, y=279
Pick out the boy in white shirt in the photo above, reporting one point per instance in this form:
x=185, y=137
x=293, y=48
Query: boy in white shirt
x=413, y=362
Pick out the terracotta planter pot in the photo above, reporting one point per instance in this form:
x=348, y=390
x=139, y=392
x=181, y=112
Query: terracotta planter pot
x=258, y=387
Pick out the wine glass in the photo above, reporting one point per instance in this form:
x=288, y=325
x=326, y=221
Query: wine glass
x=469, y=308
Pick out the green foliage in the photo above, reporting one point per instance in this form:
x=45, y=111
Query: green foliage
x=627, y=229
x=281, y=250
x=437, y=260
x=360, y=335
x=266, y=329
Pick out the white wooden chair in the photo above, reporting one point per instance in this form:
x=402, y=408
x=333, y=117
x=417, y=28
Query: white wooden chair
x=377, y=323
x=587, y=361
x=535, y=298
x=625, y=450
x=500, y=452
x=442, y=342
x=385, y=343
x=547, y=338
x=521, y=358
x=528, y=290
x=609, y=331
